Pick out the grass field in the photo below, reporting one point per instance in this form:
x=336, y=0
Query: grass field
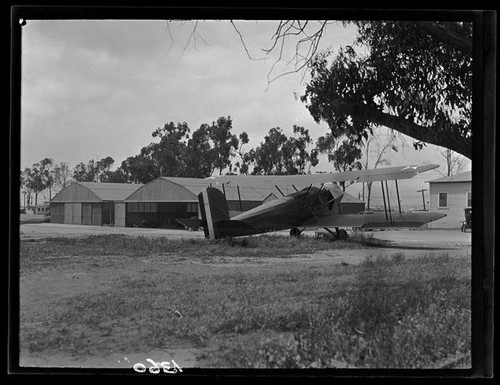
x=243, y=303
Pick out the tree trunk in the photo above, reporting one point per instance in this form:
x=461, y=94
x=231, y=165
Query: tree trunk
x=369, y=193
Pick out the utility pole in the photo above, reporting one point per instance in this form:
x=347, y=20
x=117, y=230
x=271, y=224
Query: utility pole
x=423, y=196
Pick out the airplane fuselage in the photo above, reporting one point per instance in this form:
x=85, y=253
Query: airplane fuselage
x=289, y=211
x=309, y=207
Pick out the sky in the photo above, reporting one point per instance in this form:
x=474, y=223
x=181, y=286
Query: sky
x=98, y=88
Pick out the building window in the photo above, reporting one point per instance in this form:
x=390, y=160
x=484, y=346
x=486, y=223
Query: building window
x=192, y=207
x=469, y=199
x=150, y=207
x=443, y=199
x=132, y=207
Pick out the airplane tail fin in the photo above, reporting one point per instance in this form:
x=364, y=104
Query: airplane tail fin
x=214, y=208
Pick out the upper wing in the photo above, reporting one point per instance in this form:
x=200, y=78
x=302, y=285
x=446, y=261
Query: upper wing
x=389, y=173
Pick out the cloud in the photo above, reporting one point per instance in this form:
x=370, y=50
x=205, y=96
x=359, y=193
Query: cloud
x=93, y=88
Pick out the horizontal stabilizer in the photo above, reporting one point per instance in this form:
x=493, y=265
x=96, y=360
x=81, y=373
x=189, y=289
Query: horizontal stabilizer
x=223, y=228
x=232, y=228
x=190, y=223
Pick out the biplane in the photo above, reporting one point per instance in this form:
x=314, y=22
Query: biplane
x=316, y=204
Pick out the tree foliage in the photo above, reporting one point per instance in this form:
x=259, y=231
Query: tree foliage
x=93, y=171
x=242, y=165
x=62, y=175
x=454, y=163
x=414, y=82
x=343, y=153
x=280, y=155
x=38, y=178
x=224, y=144
x=178, y=153
x=376, y=149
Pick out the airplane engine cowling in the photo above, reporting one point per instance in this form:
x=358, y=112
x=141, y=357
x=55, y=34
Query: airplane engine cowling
x=337, y=195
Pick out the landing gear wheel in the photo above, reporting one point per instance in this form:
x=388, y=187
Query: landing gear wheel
x=342, y=234
x=295, y=232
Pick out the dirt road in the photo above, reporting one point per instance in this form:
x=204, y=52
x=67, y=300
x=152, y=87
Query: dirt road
x=415, y=238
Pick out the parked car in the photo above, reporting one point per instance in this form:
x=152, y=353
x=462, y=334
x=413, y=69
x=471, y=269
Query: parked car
x=467, y=224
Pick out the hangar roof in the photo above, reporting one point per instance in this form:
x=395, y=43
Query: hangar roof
x=187, y=189
x=194, y=185
x=111, y=191
x=180, y=189
x=173, y=189
x=165, y=189
x=95, y=192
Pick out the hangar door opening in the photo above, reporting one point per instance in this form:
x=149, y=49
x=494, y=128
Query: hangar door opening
x=168, y=211
x=159, y=214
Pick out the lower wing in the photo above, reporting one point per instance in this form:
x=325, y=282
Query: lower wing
x=375, y=220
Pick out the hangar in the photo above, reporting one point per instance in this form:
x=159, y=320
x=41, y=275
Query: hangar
x=159, y=202
x=90, y=203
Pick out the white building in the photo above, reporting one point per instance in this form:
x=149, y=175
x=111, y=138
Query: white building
x=450, y=195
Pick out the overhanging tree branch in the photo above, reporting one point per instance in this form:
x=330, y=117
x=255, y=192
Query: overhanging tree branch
x=446, y=36
x=458, y=144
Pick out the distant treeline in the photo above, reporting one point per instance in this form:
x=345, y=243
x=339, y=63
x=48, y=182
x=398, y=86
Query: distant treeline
x=210, y=149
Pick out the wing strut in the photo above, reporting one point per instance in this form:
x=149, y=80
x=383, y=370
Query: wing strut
x=239, y=197
x=383, y=198
x=388, y=201
x=397, y=192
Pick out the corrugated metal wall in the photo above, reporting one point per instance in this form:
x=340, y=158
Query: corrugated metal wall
x=81, y=213
x=77, y=213
x=86, y=214
x=96, y=214
x=57, y=212
x=120, y=214
x=108, y=213
x=73, y=213
x=68, y=213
